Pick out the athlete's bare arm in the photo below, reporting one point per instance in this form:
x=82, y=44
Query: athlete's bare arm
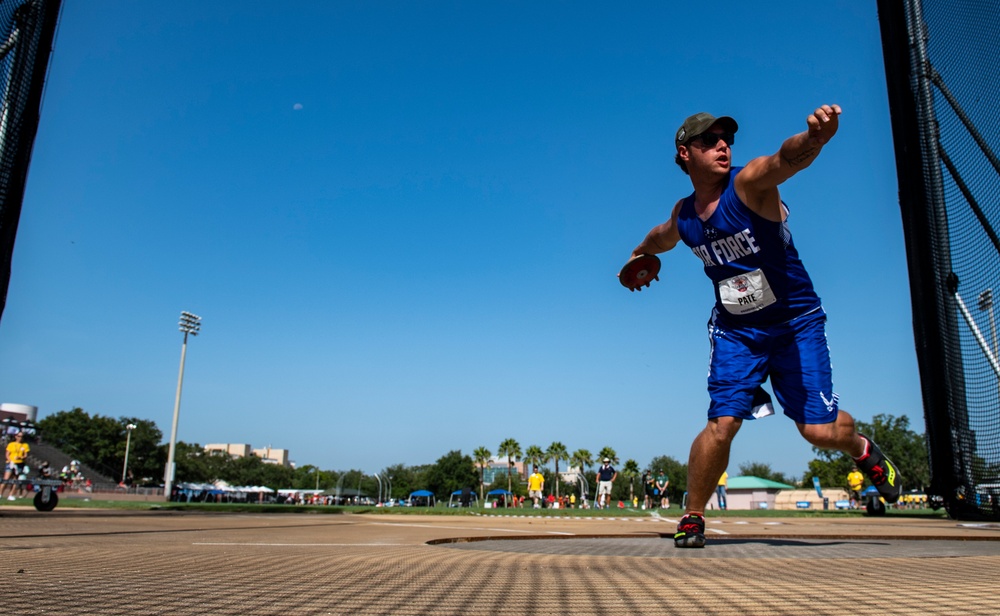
x=660, y=238
x=757, y=184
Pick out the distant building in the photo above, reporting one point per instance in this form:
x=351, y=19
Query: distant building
x=497, y=468
x=273, y=456
x=269, y=455
x=751, y=492
x=235, y=450
x=20, y=412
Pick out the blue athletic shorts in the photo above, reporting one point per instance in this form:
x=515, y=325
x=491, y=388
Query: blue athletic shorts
x=794, y=355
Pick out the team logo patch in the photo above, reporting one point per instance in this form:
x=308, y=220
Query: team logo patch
x=741, y=284
x=711, y=233
x=831, y=403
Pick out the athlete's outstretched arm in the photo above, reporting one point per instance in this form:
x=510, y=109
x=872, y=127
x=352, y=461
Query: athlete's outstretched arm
x=660, y=238
x=757, y=184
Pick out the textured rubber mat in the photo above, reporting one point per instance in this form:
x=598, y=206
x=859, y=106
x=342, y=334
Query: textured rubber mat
x=402, y=565
x=739, y=547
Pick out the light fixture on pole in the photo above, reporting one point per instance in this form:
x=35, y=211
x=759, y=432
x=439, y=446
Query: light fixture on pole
x=128, y=441
x=189, y=324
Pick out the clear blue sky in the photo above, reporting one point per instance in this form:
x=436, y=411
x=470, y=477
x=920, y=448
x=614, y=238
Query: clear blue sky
x=401, y=222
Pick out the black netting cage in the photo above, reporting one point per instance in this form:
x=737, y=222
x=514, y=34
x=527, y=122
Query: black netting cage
x=27, y=28
x=943, y=73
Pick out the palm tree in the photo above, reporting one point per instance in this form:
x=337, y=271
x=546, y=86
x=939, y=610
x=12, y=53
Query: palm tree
x=609, y=453
x=631, y=470
x=511, y=450
x=534, y=456
x=556, y=452
x=582, y=459
x=482, y=457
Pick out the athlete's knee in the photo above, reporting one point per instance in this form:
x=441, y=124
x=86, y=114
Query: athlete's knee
x=838, y=434
x=723, y=429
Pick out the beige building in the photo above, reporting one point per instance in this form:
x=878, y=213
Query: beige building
x=270, y=455
x=236, y=450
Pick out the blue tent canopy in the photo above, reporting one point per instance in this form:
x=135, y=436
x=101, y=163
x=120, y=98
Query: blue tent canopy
x=427, y=495
x=870, y=491
x=456, y=497
x=498, y=492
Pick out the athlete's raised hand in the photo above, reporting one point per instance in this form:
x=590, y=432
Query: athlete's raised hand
x=823, y=124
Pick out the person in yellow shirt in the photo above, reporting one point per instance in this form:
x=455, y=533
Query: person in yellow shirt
x=720, y=489
x=855, y=481
x=17, y=453
x=536, y=483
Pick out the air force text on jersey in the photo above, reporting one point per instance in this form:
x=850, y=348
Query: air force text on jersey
x=727, y=249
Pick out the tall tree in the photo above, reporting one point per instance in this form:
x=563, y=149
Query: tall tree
x=402, y=480
x=511, y=450
x=253, y=471
x=195, y=465
x=582, y=458
x=556, y=452
x=675, y=471
x=450, y=473
x=609, y=453
x=96, y=440
x=309, y=477
x=535, y=456
x=764, y=471
x=144, y=458
x=630, y=471
x=482, y=457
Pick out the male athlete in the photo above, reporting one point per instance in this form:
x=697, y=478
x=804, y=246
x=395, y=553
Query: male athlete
x=767, y=321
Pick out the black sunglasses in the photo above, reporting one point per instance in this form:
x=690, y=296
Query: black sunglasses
x=711, y=139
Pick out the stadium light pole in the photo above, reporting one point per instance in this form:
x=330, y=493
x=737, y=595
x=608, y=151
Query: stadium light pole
x=189, y=324
x=986, y=304
x=128, y=441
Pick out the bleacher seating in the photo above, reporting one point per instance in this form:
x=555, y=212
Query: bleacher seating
x=57, y=459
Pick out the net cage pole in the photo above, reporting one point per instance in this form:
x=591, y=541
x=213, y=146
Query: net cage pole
x=27, y=30
x=935, y=236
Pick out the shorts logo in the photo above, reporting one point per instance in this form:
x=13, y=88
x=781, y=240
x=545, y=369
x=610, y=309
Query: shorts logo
x=831, y=404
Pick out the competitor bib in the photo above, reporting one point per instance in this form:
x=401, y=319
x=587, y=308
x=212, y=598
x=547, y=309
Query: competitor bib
x=746, y=293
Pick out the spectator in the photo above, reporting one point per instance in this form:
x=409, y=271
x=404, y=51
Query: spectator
x=855, y=481
x=606, y=476
x=648, y=488
x=465, y=499
x=16, y=453
x=536, y=483
x=720, y=490
x=662, y=481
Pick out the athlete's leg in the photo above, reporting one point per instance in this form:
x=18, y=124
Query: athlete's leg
x=7, y=487
x=709, y=458
x=803, y=382
x=839, y=434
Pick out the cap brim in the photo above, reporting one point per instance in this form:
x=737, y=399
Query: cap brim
x=726, y=122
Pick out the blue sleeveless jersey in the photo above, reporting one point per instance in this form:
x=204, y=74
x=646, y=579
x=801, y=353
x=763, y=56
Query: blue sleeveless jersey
x=758, y=277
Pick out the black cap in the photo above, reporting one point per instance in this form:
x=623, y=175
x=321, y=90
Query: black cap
x=699, y=123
